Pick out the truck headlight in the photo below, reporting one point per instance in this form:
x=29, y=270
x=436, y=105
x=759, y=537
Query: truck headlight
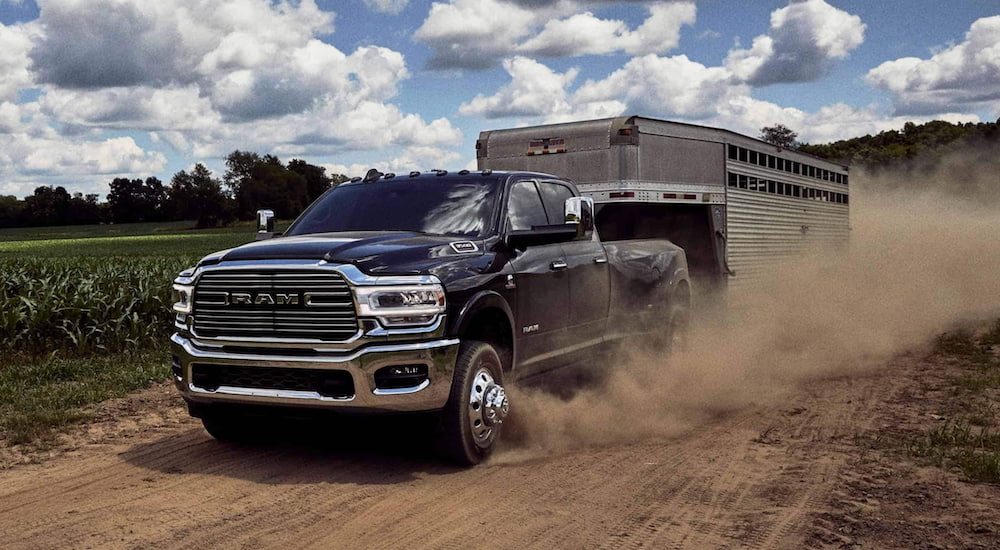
x=401, y=305
x=183, y=299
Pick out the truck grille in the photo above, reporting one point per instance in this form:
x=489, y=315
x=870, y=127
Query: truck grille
x=274, y=304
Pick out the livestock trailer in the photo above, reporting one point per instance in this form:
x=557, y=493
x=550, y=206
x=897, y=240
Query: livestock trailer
x=736, y=204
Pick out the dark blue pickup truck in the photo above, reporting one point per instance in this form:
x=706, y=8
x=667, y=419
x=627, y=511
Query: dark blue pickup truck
x=418, y=292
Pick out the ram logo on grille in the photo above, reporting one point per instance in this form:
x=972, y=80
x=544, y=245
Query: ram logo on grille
x=259, y=299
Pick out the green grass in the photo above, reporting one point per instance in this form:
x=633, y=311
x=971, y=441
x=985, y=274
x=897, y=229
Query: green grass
x=116, y=230
x=37, y=397
x=85, y=313
x=193, y=245
x=969, y=440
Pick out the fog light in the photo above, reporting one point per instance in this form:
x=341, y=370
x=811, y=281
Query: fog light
x=396, y=377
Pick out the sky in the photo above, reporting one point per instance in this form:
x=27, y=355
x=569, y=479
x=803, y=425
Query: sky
x=91, y=90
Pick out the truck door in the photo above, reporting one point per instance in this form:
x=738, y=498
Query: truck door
x=589, y=283
x=542, y=283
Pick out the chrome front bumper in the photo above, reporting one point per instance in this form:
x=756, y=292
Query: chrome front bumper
x=361, y=363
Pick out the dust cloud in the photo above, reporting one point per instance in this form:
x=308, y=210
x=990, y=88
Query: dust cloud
x=918, y=261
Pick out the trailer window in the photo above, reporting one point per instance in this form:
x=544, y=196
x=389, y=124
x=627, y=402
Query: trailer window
x=743, y=155
x=733, y=152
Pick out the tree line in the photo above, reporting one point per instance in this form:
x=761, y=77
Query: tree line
x=914, y=144
x=251, y=181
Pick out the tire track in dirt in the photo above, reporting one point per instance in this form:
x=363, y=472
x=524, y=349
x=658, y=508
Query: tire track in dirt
x=749, y=479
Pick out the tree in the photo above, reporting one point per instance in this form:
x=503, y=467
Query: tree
x=83, y=209
x=239, y=165
x=198, y=195
x=47, y=206
x=317, y=182
x=779, y=135
x=11, y=211
x=136, y=200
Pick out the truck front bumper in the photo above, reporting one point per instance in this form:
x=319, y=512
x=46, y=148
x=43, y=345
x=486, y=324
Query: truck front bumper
x=282, y=380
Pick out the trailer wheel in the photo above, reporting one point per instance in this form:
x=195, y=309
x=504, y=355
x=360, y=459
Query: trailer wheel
x=472, y=418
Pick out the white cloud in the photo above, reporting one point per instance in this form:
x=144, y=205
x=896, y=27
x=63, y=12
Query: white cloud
x=202, y=78
x=669, y=86
x=419, y=158
x=830, y=123
x=477, y=34
x=387, y=6
x=804, y=38
x=963, y=76
x=585, y=34
x=535, y=90
x=15, y=43
x=538, y=92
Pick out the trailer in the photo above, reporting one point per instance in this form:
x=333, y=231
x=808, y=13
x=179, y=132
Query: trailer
x=736, y=204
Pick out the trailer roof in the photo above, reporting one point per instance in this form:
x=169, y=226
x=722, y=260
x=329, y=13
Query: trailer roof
x=647, y=125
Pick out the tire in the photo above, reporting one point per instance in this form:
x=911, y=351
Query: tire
x=472, y=418
x=228, y=427
x=678, y=328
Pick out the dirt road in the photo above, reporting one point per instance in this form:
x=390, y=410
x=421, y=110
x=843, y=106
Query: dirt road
x=765, y=476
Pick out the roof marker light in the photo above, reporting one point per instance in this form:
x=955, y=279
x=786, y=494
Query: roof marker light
x=414, y=174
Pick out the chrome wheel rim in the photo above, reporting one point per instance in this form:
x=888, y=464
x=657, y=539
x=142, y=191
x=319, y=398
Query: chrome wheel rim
x=488, y=407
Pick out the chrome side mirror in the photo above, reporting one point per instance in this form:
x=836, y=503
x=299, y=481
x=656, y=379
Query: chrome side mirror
x=580, y=211
x=265, y=224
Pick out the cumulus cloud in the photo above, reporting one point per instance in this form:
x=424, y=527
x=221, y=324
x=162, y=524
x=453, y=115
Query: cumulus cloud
x=536, y=91
x=15, y=43
x=387, y=6
x=804, y=39
x=419, y=158
x=477, y=34
x=963, y=76
x=585, y=34
x=670, y=86
x=747, y=115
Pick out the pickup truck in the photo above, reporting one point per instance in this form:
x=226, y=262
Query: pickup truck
x=422, y=292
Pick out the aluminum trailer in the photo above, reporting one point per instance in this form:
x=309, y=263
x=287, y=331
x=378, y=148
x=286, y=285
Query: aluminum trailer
x=736, y=204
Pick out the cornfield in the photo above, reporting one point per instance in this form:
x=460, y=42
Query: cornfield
x=77, y=306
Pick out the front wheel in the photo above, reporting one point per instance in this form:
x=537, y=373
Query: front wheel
x=477, y=406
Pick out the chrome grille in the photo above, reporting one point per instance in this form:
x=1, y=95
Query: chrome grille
x=329, y=316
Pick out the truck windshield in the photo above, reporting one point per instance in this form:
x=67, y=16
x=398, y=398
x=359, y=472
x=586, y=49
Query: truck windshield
x=444, y=207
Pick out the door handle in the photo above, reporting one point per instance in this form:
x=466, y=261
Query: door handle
x=600, y=260
x=558, y=264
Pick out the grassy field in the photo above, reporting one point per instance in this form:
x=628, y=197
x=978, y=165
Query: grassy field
x=968, y=439
x=116, y=230
x=85, y=314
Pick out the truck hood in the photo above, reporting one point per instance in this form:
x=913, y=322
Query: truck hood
x=397, y=252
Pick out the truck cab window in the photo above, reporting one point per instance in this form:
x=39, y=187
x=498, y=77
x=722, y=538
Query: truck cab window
x=554, y=196
x=525, y=207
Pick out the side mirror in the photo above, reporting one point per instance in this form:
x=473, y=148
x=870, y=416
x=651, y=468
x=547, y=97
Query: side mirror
x=541, y=234
x=265, y=224
x=579, y=212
